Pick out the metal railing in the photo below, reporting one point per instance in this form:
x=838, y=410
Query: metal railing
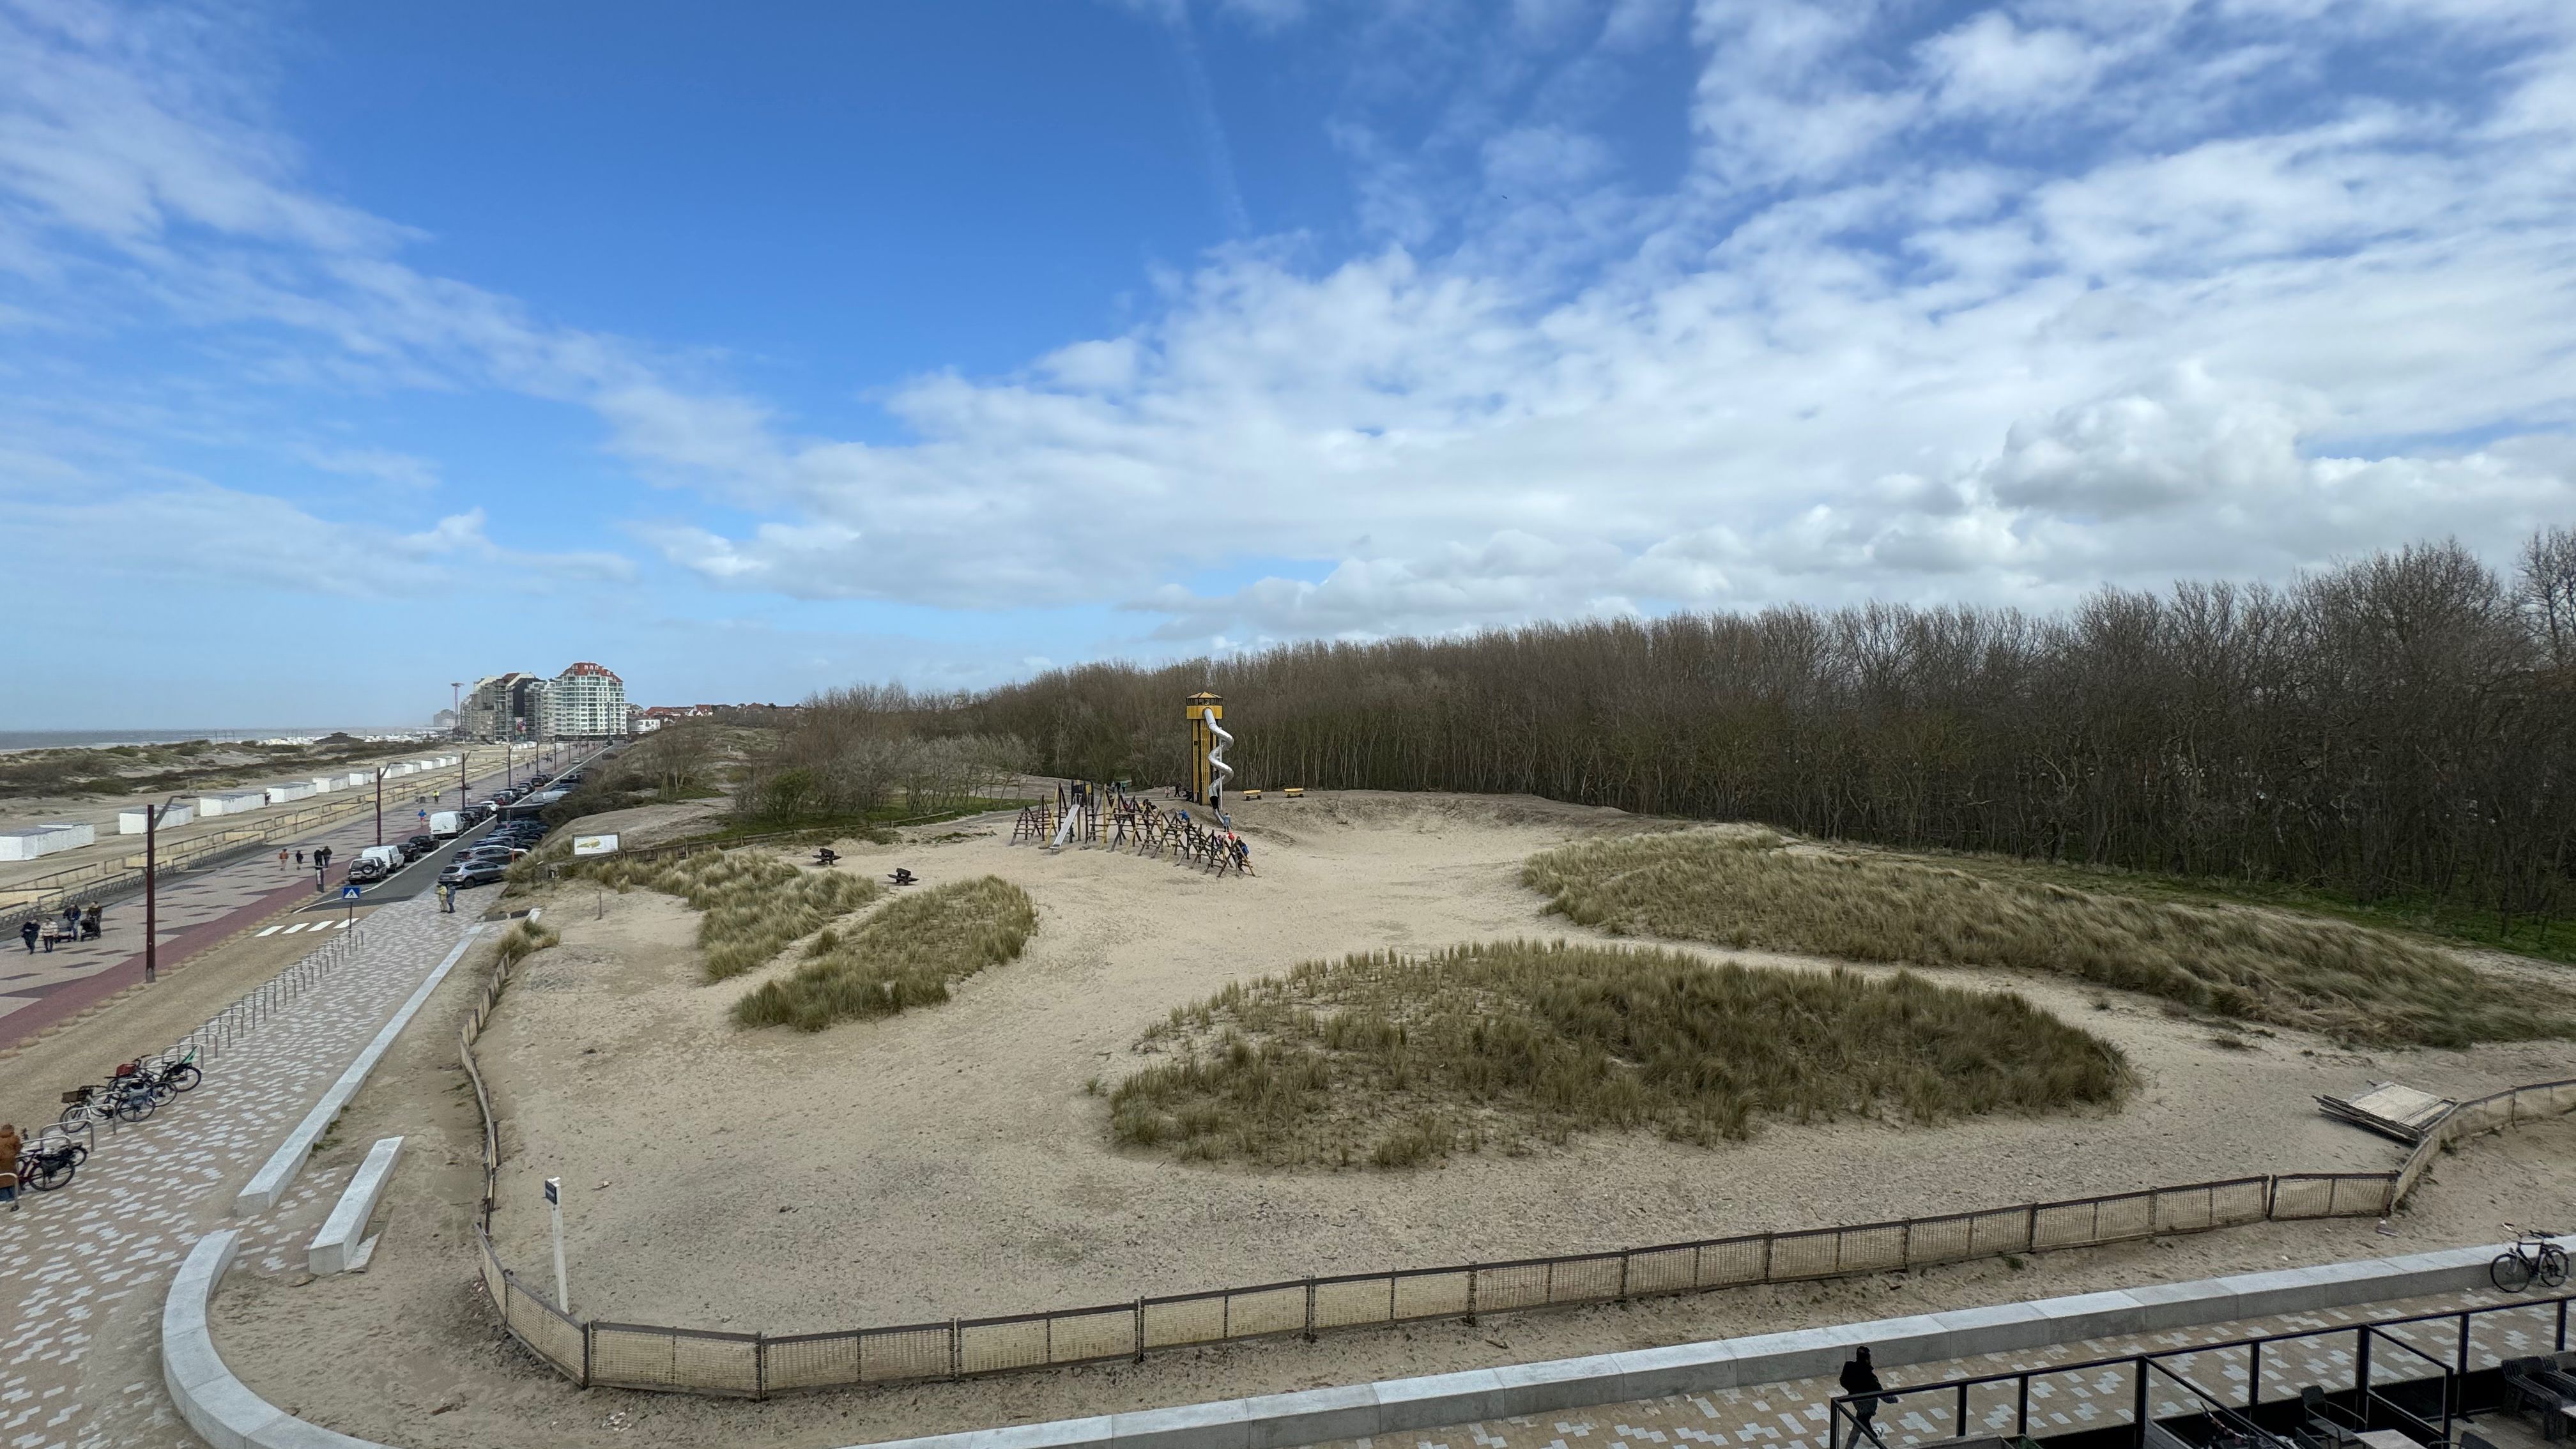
x=2406, y=1371
x=221, y=1032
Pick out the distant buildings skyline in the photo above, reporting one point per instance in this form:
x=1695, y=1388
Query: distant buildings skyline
x=586, y=701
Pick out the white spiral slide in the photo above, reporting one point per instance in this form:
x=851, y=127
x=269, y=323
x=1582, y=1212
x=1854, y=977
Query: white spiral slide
x=1216, y=761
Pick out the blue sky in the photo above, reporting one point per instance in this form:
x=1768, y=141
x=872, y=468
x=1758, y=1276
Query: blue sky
x=347, y=350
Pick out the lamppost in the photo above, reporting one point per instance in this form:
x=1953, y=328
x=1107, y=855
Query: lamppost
x=151, y=892
x=380, y=804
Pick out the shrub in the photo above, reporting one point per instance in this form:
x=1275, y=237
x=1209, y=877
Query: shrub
x=1755, y=890
x=903, y=956
x=1396, y=1060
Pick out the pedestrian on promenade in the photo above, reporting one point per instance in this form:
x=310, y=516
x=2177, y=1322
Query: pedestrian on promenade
x=10, y=1147
x=1861, y=1381
x=28, y=931
x=447, y=899
x=299, y=860
x=281, y=860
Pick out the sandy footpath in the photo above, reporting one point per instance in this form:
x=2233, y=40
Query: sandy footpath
x=948, y=1162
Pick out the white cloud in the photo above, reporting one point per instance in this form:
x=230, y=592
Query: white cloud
x=1991, y=64
x=2062, y=294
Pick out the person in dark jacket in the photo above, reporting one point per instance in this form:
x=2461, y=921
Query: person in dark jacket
x=1861, y=1381
x=28, y=931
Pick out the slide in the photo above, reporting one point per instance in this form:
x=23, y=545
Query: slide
x=1216, y=761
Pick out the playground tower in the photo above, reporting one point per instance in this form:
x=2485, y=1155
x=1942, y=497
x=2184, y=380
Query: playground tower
x=1209, y=773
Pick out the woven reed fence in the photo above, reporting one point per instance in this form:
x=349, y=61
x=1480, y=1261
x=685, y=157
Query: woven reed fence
x=755, y=1365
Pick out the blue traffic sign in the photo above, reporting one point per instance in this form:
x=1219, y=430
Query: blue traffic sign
x=348, y=893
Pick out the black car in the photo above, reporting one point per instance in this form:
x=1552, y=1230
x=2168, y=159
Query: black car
x=464, y=873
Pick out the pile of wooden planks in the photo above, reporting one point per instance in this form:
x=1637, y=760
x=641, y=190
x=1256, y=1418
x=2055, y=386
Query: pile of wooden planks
x=2390, y=1110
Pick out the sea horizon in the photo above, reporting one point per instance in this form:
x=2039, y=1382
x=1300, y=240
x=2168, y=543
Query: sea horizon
x=15, y=740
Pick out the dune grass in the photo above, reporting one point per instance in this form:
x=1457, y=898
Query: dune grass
x=901, y=957
x=754, y=903
x=526, y=938
x=1388, y=1060
x=1754, y=889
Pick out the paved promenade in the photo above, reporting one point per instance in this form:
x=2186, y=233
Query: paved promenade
x=82, y=1269
x=196, y=911
x=1794, y=1415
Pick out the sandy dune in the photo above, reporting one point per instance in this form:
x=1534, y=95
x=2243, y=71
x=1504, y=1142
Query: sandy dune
x=949, y=1162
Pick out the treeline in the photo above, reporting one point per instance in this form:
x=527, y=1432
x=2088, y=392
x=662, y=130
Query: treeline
x=865, y=750
x=2401, y=726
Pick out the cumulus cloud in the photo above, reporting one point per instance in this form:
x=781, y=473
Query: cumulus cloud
x=2047, y=296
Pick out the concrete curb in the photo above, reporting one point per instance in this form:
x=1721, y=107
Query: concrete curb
x=335, y=1247
x=271, y=1181
x=224, y=1410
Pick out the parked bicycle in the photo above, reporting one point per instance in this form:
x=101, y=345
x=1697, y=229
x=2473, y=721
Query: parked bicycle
x=129, y=1100
x=2532, y=1258
x=165, y=1078
x=49, y=1165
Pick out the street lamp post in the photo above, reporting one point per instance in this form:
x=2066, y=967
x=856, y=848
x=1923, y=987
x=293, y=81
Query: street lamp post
x=151, y=888
x=380, y=804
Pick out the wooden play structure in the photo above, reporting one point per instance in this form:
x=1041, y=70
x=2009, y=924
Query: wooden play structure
x=1107, y=815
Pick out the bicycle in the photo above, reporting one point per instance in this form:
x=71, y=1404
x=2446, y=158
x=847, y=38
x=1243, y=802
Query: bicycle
x=44, y=1168
x=2532, y=1258
x=101, y=1104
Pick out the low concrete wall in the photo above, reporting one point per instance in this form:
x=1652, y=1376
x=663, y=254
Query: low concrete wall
x=270, y=1183
x=337, y=1243
x=1406, y=1405
x=224, y=1410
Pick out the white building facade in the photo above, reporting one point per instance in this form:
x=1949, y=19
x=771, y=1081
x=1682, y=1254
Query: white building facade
x=587, y=701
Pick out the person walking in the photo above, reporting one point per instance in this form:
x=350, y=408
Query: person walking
x=1861, y=1382
x=28, y=931
x=299, y=860
x=10, y=1147
x=447, y=899
x=281, y=859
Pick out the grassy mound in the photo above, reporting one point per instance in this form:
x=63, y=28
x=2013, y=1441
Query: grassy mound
x=754, y=902
x=1749, y=889
x=1391, y=1059
x=903, y=956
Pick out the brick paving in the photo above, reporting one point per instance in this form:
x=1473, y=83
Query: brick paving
x=195, y=911
x=1794, y=1415
x=82, y=1268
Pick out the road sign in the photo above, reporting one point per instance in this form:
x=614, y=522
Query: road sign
x=554, y=1189
x=348, y=893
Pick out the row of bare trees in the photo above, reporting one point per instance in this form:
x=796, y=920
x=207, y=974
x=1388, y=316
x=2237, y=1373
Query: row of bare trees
x=856, y=751
x=2401, y=726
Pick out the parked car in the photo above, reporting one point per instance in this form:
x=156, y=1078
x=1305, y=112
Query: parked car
x=366, y=870
x=463, y=873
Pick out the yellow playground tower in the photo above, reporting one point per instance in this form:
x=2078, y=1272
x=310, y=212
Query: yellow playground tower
x=1209, y=773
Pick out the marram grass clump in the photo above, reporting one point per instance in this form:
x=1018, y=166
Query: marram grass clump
x=1753, y=889
x=754, y=903
x=1389, y=1060
x=901, y=957
x=526, y=938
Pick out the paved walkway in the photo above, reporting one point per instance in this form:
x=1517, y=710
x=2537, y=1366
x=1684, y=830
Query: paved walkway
x=82, y=1269
x=1794, y=1415
x=195, y=911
